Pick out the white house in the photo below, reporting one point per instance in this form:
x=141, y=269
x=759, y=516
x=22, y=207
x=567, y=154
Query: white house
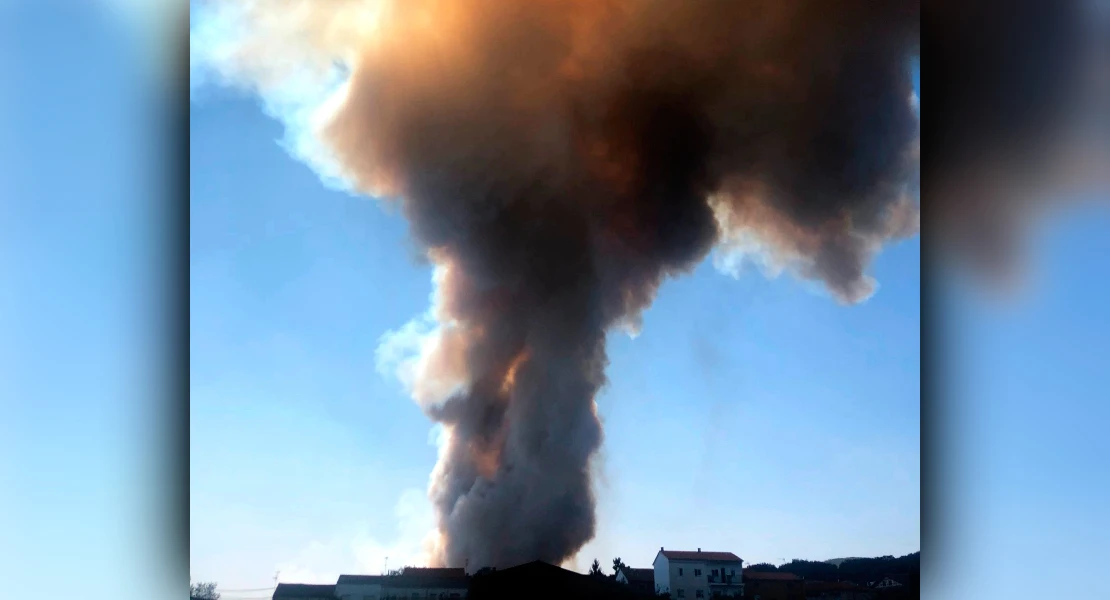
x=696, y=575
x=411, y=584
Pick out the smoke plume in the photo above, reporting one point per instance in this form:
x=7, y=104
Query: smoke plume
x=1019, y=122
x=558, y=160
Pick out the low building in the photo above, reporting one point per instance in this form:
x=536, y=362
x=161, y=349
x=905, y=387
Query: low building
x=774, y=585
x=411, y=584
x=538, y=579
x=696, y=575
x=638, y=579
x=303, y=591
x=887, y=583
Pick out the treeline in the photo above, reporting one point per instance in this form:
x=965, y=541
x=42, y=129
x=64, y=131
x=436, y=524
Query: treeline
x=855, y=570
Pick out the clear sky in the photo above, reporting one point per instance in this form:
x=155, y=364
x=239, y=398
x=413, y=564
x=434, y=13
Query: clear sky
x=301, y=453
x=1023, y=443
x=752, y=415
x=82, y=301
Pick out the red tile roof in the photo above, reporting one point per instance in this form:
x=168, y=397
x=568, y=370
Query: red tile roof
x=770, y=575
x=699, y=555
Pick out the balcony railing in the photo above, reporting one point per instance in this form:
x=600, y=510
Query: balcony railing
x=724, y=579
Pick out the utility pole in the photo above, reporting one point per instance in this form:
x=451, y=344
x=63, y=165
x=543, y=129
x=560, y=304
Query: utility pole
x=385, y=569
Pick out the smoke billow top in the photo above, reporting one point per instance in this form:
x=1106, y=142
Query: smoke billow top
x=1019, y=121
x=558, y=160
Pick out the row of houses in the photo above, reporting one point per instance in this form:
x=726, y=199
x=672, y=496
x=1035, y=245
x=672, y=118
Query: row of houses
x=696, y=575
x=410, y=584
x=679, y=574
x=535, y=579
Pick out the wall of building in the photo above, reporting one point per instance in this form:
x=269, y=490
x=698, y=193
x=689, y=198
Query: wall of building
x=354, y=591
x=662, y=574
x=733, y=569
x=683, y=578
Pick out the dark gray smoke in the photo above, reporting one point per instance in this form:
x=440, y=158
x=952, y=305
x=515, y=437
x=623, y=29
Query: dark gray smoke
x=1019, y=120
x=559, y=159
x=564, y=158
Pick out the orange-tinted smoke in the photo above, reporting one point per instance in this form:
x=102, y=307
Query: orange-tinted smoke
x=562, y=158
x=1019, y=123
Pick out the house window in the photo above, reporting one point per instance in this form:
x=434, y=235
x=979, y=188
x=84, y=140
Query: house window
x=699, y=594
x=714, y=572
x=697, y=572
x=681, y=593
x=680, y=571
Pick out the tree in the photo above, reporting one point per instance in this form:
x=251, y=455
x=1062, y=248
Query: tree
x=763, y=568
x=203, y=591
x=618, y=564
x=595, y=569
x=812, y=570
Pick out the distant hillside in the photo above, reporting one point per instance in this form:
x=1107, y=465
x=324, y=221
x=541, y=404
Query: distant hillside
x=837, y=561
x=904, y=569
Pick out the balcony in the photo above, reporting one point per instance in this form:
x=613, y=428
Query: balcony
x=724, y=579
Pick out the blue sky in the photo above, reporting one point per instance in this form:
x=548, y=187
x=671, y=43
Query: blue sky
x=751, y=415
x=81, y=292
x=1023, y=438
x=301, y=452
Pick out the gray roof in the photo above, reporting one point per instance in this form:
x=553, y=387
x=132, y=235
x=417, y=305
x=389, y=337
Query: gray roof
x=699, y=555
x=303, y=590
x=412, y=578
x=639, y=574
x=363, y=579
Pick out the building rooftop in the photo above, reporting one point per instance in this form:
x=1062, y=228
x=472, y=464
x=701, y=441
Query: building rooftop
x=634, y=575
x=303, y=590
x=412, y=577
x=430, y=572
x=698, y=555
x=550, y=581
x=363, y=579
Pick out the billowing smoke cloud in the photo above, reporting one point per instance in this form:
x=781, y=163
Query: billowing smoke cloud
x=558, y=160
x=1019, y=121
